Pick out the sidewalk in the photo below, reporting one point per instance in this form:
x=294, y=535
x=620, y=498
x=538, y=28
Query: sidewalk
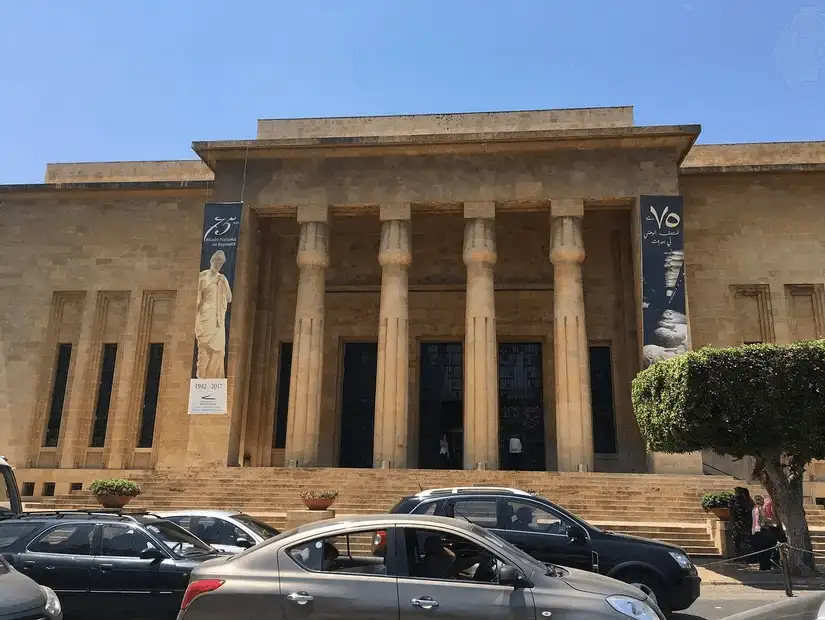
x=730, y=574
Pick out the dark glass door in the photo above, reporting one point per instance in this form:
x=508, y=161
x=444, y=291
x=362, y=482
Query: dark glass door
x=358, y=404
x=520, y=405
x=441, y=406
x=601, y=396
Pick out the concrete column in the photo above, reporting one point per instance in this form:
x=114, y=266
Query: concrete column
x=480, y=350
x=574, y=417
x=304, y=414
x=392, y=375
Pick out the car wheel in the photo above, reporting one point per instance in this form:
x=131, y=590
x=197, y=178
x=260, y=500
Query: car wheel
x=651, y=585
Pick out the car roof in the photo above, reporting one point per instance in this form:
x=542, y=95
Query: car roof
x=471, y=491
x=199, y=513
x=4, y=462
x=377, y=521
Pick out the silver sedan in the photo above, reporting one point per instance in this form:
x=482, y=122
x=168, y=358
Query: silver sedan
x=429, y=566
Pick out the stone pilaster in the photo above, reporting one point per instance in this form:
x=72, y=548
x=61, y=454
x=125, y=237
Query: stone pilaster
x=304, y=414
x=480, y=350
x=574, y=418
x=392, y=376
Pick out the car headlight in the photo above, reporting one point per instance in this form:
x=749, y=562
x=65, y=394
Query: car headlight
x=53, y=607
x=632, y=608
x=682, y=560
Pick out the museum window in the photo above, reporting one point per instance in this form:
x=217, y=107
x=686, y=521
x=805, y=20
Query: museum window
x=151, y=391
x=58, y=396
x=601, y=395
x=282, y=405
x=104, y=395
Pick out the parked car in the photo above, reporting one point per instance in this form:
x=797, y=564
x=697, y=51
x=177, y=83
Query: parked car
x=10, y=503
x=226, y=530
x=430, y=565
x=23, y=599
x=105, y=565
x=551, y=534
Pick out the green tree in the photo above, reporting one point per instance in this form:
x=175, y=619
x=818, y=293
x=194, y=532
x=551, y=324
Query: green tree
x=764, y=401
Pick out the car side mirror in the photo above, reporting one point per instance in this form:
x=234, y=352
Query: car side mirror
x=244, y=542
x=151, y=553
x=577, y=534
x=509, y=576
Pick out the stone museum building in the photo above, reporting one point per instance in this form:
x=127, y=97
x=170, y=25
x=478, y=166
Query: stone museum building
x=436, y=291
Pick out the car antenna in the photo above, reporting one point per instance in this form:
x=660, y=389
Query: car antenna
x=420, y=488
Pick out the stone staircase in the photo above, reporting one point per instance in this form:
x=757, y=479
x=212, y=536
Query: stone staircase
x=663, y=507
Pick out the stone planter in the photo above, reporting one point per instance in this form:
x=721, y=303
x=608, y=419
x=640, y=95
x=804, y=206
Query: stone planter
x=113, y=501
x=318, y=504
x=722, y=513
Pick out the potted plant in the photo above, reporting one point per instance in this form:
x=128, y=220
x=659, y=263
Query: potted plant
x=318, y=500
x=718, y=504
x=114, y=492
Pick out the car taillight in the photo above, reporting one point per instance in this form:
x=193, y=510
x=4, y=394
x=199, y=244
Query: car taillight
x=196, y=588
x=380, y=538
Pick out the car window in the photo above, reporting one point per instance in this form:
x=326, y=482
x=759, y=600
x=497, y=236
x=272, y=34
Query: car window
x=482, y=512
x=425, y=509
x=13, y=531
x=175, y=537
x=524, y=516
x=125, y=541
x=215, y=531
x=438, y=555
x=69, y=539
x=181, y=520
x=353, y=553
x=259, y=527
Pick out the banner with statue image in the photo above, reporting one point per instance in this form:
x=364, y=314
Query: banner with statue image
x=664, y=301
x=213, y=309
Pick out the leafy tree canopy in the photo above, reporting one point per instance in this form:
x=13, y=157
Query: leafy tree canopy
x=758, y=400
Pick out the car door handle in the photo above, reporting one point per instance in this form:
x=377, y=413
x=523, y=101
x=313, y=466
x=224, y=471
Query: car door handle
x=302, y=598
x=48, y=567
x=105, y=567
x=27, y=565
x=425, y=602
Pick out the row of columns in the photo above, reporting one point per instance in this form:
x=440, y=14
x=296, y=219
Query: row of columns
x=574, y=428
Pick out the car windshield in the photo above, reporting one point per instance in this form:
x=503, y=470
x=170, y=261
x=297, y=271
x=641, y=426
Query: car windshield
x=511, y=550
x=176, y=538
x=261, y=529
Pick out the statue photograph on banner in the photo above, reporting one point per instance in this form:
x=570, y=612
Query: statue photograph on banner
x=219, y=247
x=664, y=301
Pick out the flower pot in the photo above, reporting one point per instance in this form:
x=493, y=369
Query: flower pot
x=318, y=504
x=722, y=513
x=113, y=501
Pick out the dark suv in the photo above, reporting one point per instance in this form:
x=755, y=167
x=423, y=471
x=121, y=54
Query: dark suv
x=105, y=565
x=551, y=534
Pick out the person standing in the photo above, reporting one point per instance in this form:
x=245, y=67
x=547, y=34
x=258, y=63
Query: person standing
x=444, y=452
x=515, y=452
x=761, y=534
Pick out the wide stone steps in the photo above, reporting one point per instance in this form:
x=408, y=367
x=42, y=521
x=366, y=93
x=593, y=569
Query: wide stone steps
x=639, y=504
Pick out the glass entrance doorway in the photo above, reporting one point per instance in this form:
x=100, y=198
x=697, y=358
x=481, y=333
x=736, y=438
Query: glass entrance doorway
x=520, y=406
x=358, y=404
x=441, y=406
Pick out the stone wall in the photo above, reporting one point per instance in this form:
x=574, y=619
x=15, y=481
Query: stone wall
x=87, y=269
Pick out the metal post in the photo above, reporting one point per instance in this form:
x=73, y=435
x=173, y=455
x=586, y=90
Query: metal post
x=786, y=569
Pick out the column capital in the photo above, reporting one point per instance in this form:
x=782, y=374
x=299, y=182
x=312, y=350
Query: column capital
x=395, y=247
x=567, y=207
x=312, y=213
x=480, y=209
x=566, y=240
x=389, y=211
x=479, y=241
x=313, y=250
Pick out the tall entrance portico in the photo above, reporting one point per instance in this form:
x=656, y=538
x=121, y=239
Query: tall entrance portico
x=436, y=299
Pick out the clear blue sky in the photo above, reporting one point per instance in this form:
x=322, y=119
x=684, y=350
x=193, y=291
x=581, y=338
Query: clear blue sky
x=93, y=80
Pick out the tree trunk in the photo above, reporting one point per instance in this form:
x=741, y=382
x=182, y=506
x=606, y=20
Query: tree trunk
x=785, y=489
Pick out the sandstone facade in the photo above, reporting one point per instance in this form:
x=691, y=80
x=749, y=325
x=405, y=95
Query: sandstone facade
x=108, y=254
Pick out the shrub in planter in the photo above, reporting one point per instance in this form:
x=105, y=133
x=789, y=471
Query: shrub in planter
x=114, y=492
x=718, y=503
x=318, y=500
